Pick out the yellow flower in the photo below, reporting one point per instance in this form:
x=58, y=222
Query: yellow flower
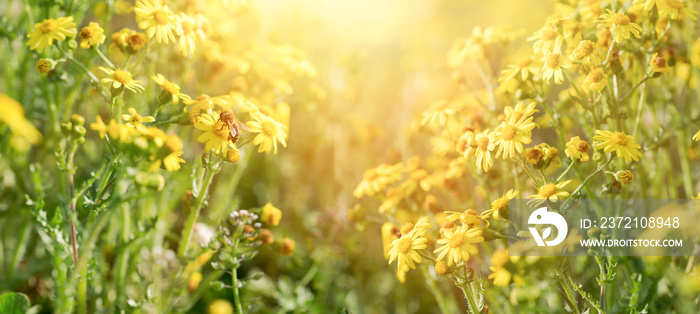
x=501, y=276
x=189, y=32
x=520, y=110
x=587, y=53
x=220, y=306
x=377, y=179
x=172, y=161
x=271, y=215
x=389, y=233
x=547, y=40
x=554, y=64
x=658, y=64
x=171, y=91
x=675, y=9
x=156, y=19
x=549, y=191
x=121, y=79
x=438, y=113
x=522, y=69
x=134, y=120
x=596, y=80
x=469, y=217
x=499, y=207
x=99, y=126
x=287, y=247
x=91, y=35
x=216, y=132
x=623, y=144
x=484, y=146
x=404, y=250
x=621, y=25
x=458, y=245
x=23, y=131
x=269, y=133
x=205, y=102
x=422, y=226
x=649, y=4
x=577, y=149
x=512, y=134
x=696, y=137
x=45, y=32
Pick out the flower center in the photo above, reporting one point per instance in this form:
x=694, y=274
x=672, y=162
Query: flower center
x=675, y=4
x=136, y=41
x=500, y=203
x=187, y=27
x=269, y=128
x=48, y=26
x=171, y=87
x=160, y=16
x=549, y=35
x=582, y=147
x=121, y=76
x=456, y=240
x=620, y=139
x=404, y=245
x=534, y=155
x=136, y=119
x=407, y=228
x=621, y=19
x=596, y=76
x=660, y=62
x=221, y=129
x=86, y=33
x=508, y=133
x=548, y=190
x=484, y=143
x=552, y=60
x=586, y=47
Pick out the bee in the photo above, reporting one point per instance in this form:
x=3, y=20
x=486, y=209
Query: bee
x=229, y=119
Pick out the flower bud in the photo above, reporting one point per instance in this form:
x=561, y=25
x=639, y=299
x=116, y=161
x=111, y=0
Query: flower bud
x=77, y=119
x=45, y=65
x=624, y=176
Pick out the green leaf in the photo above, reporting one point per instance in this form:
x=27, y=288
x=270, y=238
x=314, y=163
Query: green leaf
x=14, y=303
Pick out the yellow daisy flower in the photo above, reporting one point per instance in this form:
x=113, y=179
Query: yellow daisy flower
x=484, y=145
x=554, y=64
x=377, y=179
x=469, y=217
x=390, y=232
x=658, y=64
x=422, y=226
x=649, y=4
x=156, y=19
x=205, y=102
x=121, y=79
x=271, y=215
x=23, y=131
x=547, y=40
x=520, y=110
x=405, y=250
x=269, y=133
x=216, y=132
x=91, y=35
x=675, y=9
x=596, y=80
x=623, y=144
x=512, y=134
x=587, y=53
x=171, y=91
x=577, y=149
x=172, y=161
x=522, y=69
x=696, y=137
x=439, y=112
x=549, y=191
x=189, y=31
x=458, y=245
x=499, y=207
x=99, y=126
x=621, y=25
x=45, y=32
x=134, y=120
x=500, y=275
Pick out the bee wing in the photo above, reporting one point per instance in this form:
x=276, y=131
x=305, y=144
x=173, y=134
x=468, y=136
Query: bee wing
x=242, y=125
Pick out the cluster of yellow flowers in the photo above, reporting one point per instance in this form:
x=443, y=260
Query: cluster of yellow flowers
x=591, y=46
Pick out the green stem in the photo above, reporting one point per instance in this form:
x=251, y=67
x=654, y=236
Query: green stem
x=435, y=290
x=471, y=300
x=234, y=282
x=194, y=212
x=568, y=292
x=565, y=172
x=82, y=291
x=20, y=248
x=104, y=58
x=589, y=178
